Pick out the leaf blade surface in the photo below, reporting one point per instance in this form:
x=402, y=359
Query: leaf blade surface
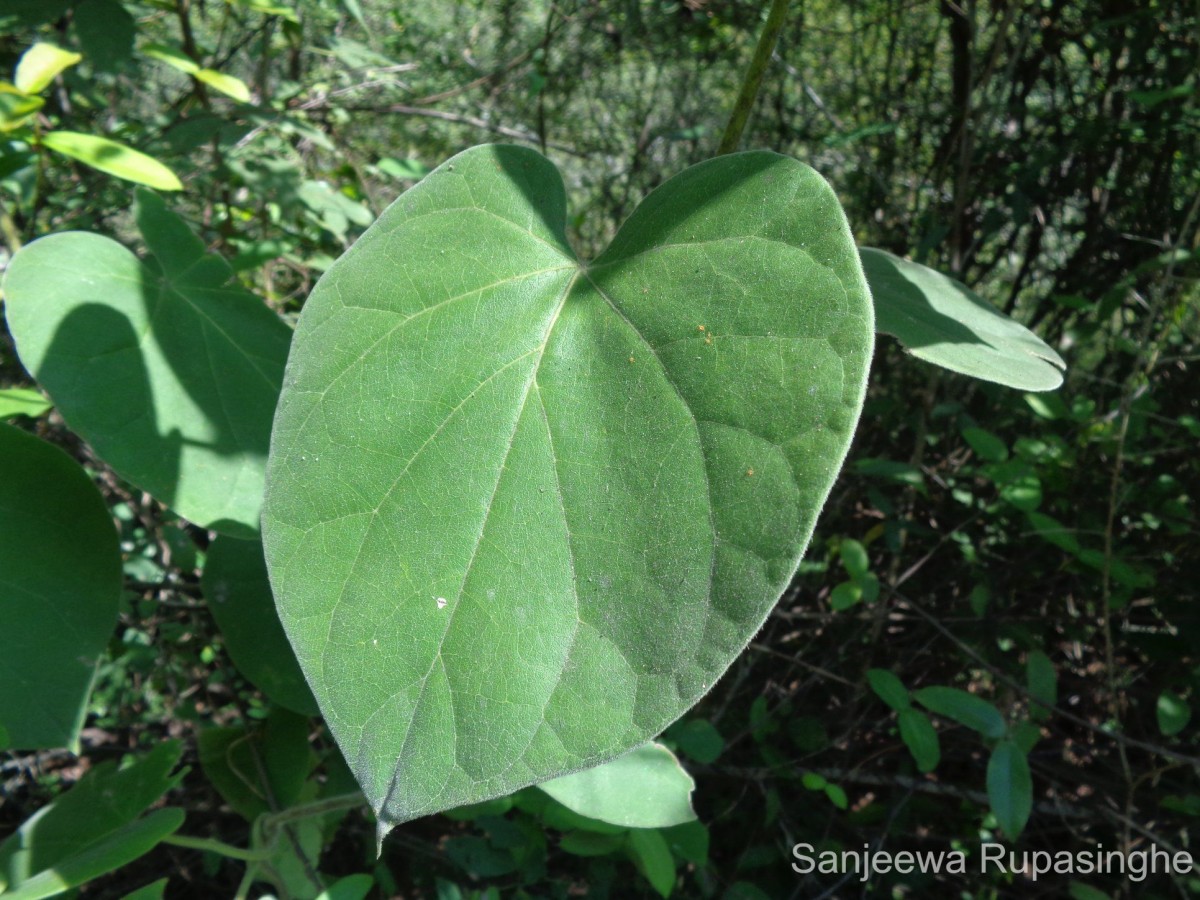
x=521, y=513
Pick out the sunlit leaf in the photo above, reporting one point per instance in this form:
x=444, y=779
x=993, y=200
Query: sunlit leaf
x=170, y=373
x=113, y=158
x=226, y=84
x=645, y=788
x=943, y=322
x=40, y=65
x=523, y=513
x=22, y=402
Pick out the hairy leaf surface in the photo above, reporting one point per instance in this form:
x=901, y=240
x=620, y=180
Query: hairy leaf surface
x=522, y=512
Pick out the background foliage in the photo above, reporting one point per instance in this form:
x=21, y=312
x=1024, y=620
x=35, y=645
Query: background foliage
x=1021, y=548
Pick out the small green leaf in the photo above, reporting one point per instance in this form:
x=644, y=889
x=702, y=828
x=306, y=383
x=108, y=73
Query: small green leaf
x=813, y=781
x=943, y=322
x=61, y=567
x=854, y=558
x=845, y=595
x=1174, y=713
x=837, y=796
x=889, y=689
x=238, y=594
x=40, y=65
x=172, y=56
x=112, y=158
x=1010, y=788
x=23, y=402
x=1042, y=683
x=698, y=739
x=645, y=788
x=168, y=373
x=986, y=445
x=921, y=739
x=226, y=84
x=653, y=858
x=965, y=709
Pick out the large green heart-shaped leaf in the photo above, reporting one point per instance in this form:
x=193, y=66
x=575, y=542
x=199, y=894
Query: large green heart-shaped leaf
x=944, y=322
x=170, y=373
x=522, y=513
x=60, y=583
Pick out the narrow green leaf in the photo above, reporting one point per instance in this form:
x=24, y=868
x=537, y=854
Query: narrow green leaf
x=112, y=158
x=60, y=585
x=645, y=788
x=238, y=594
x=226, y=84
x=1174, y=713
x=94, y=824
x=23, y=402
x=1010, y=788
x=653, y=859
x=943, y=322
x=40, y=65
x=965, y=709
x=1042, y=683
x=921, y=739
x=172, y=56
x=115, y=850
x=657, y=429
x=889, y=689
x=169, y=373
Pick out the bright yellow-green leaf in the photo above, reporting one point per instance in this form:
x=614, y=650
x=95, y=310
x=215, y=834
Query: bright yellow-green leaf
x=113, y=158
x=226, y=84
x=39, y=66
x=172, y=56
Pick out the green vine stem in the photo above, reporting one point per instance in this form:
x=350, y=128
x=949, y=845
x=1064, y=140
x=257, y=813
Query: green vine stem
x=754, y=76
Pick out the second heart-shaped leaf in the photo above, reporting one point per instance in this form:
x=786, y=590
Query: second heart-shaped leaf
x=522, y=512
